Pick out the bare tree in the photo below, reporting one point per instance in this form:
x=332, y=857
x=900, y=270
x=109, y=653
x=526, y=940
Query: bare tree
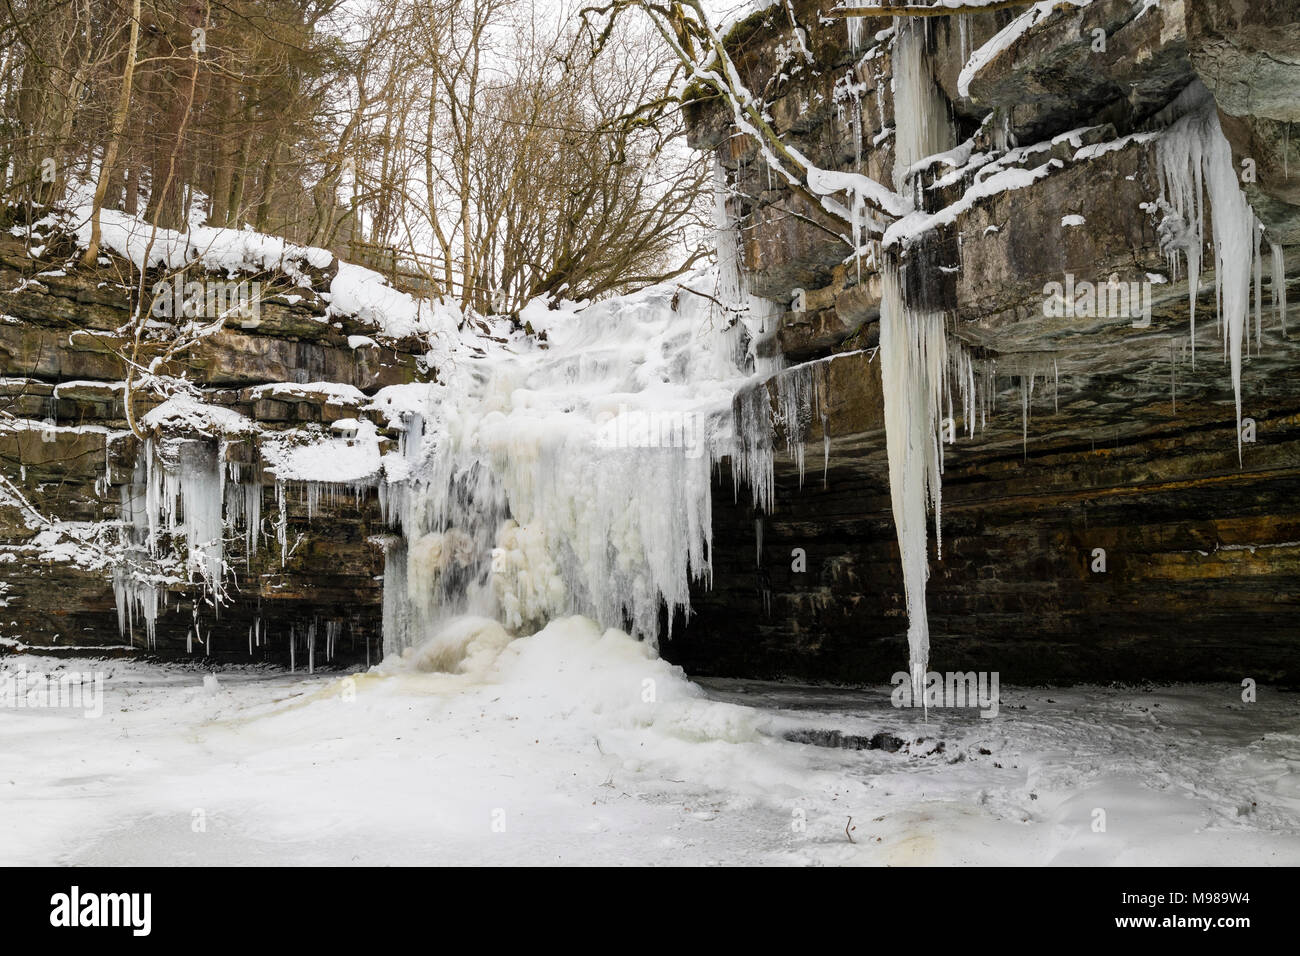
x=525, y=165
x=115, y=138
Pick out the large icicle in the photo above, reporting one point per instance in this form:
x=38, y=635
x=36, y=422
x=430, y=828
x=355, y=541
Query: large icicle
x=726, y=239
x=1195, y=162
x=914, y=351
x=201, y=491
x=913, y=362
x=920, y=110
x=1279, y=282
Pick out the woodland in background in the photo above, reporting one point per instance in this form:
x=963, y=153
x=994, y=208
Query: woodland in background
x=478, y=148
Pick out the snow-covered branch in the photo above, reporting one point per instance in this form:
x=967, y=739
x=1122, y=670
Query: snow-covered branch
x=847, y=199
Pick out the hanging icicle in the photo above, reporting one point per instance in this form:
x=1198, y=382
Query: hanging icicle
x=1196, y=164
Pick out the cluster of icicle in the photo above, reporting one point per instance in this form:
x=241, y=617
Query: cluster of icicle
x=183, y=503
x=1196, y=163
x=920, y=364
x=183, y=507
x=306, y=639
x=783, y=403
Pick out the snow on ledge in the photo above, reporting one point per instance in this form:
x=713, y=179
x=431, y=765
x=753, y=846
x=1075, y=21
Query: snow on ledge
x=186, y=413
x=323, y=458
x=335, y=393
x=354, y=290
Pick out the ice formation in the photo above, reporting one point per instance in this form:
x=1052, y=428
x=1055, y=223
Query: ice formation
x=920, y=111
x=1279, y=282
x=177, y=513
x=726, y=241
x=574, y=476
x=854, y=27
x=914, y=352
x=786, y=402
x=914, y=360
x=571, y=476
x=1196, y=166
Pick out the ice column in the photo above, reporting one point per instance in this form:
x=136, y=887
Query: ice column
x=913, y=361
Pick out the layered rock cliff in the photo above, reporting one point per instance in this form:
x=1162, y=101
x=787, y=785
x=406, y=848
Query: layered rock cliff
x=1097, y=438
x=1108, y=511
x=227, y=420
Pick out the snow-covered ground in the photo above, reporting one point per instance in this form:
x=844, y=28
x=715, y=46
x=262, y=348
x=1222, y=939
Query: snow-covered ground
x=572, y=746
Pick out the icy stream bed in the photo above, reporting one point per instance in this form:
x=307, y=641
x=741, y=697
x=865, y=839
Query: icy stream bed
x=576, y=747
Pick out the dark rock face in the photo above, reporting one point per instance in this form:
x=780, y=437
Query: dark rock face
x=1248, y=55
x=1097, y=437
x=66, y=446
x=1102, y=63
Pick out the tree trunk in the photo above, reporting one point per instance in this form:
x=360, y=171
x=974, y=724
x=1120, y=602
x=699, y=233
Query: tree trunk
x=115, y=139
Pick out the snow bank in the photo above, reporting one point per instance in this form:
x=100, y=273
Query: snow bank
x=337, y=393
x=233, y=251
x=354, y=291
x=366, y=295
x=575, y=674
